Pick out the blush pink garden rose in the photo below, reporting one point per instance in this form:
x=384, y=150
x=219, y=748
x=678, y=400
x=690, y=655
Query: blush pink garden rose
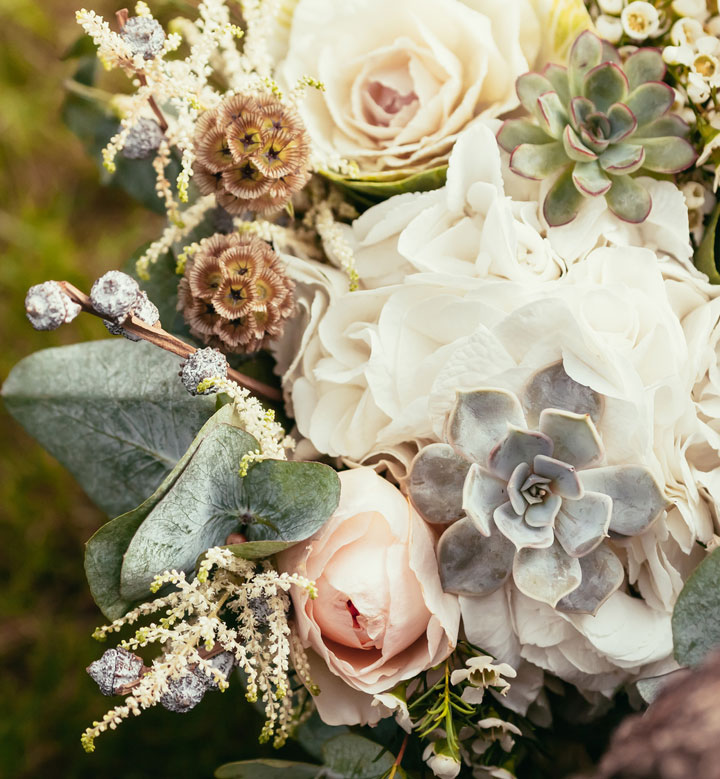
x=381, y=615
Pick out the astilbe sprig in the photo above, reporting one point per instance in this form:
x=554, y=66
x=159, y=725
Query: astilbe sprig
x=233, y=606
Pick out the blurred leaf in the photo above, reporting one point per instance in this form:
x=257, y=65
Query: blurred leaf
x=267, y=769
x=280, y=502
x=561, y=22
x=709, y=250
x=380, y=186
x=87, y=113
x=313, y=734
x=356, y=757
x=104, y=551
x=112, y=412
x=696, y=617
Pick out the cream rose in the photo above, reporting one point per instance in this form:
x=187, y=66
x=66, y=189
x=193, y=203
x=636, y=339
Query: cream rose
x=403, y=78
x=380, y=616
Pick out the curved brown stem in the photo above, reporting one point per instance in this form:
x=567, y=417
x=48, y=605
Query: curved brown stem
x=154, y=334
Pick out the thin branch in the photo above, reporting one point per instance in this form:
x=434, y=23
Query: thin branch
x=170, y=343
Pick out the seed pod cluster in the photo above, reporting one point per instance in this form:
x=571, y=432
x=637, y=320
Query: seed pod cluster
x=116, y=669
x=252, y=154
x=235, y=294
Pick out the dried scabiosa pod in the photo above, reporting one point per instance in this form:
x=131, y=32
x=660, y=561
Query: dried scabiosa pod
x=596, y=124
x=252, y=154
x=235, y=294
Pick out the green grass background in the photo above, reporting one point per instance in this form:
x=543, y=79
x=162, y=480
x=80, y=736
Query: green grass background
x=57, y=221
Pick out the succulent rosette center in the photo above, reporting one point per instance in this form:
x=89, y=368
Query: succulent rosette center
x=595, y=124
x=537, y=504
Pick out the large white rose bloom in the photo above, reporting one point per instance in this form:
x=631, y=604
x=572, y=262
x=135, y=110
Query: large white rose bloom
x=402, y=79
x=486, y=223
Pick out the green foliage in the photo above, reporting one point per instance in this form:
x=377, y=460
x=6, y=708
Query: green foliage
x=374, y=187
x=199, y=504
x=696, y=618
x=112, y=412
x=266, y=769
x=708, y=253
x=347, y=756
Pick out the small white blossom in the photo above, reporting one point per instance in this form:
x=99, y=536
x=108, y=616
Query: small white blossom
x=612, y=7
x=609, y=27
x=440, y=761
x=640, y=20
x=392, y=703
x=481, y=674
x=496, y=730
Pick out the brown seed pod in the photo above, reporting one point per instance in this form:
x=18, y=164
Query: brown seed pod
x=235, y=294
x=252, y=154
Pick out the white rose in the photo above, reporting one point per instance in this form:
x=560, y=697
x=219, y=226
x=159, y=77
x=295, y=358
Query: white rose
x=403, y=78
x=467, y=228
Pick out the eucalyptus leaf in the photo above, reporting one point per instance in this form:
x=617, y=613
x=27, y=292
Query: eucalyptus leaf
x=280, y=502
x=114, y=413
x=696, y=617
x=105, y=549
x=267, y=769
x=313, y=734
x=203, y=506
x=356, y=757
x=706, y=256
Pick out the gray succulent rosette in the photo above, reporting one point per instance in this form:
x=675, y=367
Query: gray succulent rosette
x=535, y=503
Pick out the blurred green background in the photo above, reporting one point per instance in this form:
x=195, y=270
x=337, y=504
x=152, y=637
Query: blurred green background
x=58, y=222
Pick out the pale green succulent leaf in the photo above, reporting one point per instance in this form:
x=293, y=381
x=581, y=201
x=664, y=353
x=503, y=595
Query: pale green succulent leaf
x=670, y=124
x=622, y=122
x=582, y=524
x=574, y=436
x=594, y=142
x=482, y=494
x=644, y=65
x=589, y=178
x=602, y=575
x=580, y=109
x=516, y=131
x=610, y=53
x=668, y=155
x=529, y=87
x=472, y=564
x=575, y=149
x=622, y=159
x=538, y=162
x=557, y=75
x=563, y=201
x=479, y=420
x=435, y=483
x=628, y=199
x=522, y=535
x=585, y=54
x=637, y=499
x=605, y=85
x=553, y=116
x=650, y=101
x=546, y=575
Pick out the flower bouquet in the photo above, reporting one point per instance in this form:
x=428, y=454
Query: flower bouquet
x=409, y=432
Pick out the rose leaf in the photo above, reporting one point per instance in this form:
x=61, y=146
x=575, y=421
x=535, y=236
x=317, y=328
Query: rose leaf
x=267, y=769
x=355, y=757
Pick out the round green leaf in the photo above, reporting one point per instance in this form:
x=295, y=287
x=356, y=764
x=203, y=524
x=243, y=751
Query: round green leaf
x=114, y=413
x=696, y=618
x=355, y=757
x=267, y=769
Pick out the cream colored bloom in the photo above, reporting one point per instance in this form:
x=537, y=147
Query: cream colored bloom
x=482, y=673
x=380, y=616
x=640, y=20
x=402, y=79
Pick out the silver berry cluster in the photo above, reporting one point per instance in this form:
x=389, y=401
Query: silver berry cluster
x=117, y=296
x=143, y=139
x=144, y=35
x=203, y=364
x=47, y=306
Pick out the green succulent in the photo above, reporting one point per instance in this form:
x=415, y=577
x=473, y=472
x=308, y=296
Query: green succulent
x=596, y=124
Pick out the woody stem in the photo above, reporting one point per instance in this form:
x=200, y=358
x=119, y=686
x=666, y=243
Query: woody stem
x=159, y=337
